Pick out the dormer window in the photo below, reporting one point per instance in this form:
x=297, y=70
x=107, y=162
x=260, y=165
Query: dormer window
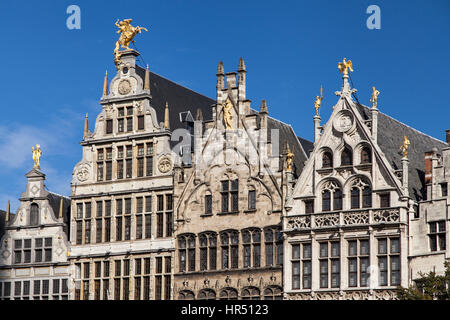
x=327, y=160
x=366, y=155
x=346, y=157
x=34, y=214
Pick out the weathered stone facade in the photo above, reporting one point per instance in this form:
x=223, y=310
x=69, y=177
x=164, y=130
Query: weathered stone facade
x=34, y=248
x=242, y=208
x=350, y=221
x=228, y=203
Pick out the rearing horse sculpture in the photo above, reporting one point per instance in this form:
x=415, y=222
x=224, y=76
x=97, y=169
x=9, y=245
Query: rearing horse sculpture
x=127, y=33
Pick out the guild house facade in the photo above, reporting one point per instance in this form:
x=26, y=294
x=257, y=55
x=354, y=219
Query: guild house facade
x=180, y=196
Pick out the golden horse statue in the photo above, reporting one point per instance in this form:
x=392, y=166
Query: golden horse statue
x=127, y=33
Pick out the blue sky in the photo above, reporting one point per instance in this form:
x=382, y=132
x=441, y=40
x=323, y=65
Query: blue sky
x=52, y=76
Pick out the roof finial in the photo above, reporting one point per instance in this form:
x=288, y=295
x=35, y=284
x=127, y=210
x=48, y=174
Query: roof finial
x=105, y=85
x=220, y=69
x=263, y=107
x=8, y=209
x=37, y=153
x=166, y=116
x=147, y=79
x=318, y=102
x=374, y=98
x=86, y=127
x=404, y=147
x=241, y=65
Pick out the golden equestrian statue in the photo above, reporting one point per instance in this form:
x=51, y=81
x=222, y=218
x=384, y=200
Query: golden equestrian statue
x=227, y=114
x=374, y=98
x=37, y=156
x=344, y=66
x=318, y=102
x=127, y=33
x=405, y=147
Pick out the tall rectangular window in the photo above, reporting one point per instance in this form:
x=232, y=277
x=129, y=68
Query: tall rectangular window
x=140, y=122
x=329, y=261
x=208, y=204
x=358, y=263
x=149, y=160
x=385, y=200
x=109, y=126
x=252, y=200
x=389, y=261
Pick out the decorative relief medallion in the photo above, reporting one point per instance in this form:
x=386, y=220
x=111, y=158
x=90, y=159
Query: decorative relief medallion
x=343, y=121
x=83, y=172
x=124, y=87
x=165, y=164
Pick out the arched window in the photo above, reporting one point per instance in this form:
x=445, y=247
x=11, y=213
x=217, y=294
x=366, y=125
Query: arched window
x=326, y=200
x=251, y=239
x=186, y=252
x=366, y=155
x=331, y=195
x=251, y=293
x=346, y=157
x=186, y=295
x=327, y=160
x=206, y=294
x=273, y=293
x=208, y=251
x=228, y=294
x=361, y=194
x=355, y=198
x=229, y=243
x=337, y=199
x=273, y=238
x=34, y=214
x=367, y=197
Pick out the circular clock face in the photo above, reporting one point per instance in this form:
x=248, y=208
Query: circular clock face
x=124, y=87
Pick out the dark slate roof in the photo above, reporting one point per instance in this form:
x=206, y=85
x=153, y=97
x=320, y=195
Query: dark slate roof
x=307, y=145
x=180, y=99
x=54, y=201
x=287, y=134
x=2, y=223
x=390, y=138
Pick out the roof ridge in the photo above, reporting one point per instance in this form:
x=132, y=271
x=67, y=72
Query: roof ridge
x=177, y=84
x=59, y=195
x=404, y=124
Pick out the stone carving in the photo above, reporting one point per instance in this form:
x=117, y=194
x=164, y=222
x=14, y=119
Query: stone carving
x=124, y=87
x=301, y=222
x=386, y=215
x=165, y=164
x=343, y=121
x=326, y=220
x=109, y=111
x=360, y=217
x=83, y=172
